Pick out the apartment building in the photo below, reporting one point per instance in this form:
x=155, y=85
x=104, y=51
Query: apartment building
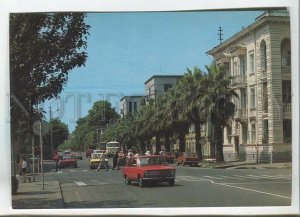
x=130, y=104
x=259, y=60
x=159, y=84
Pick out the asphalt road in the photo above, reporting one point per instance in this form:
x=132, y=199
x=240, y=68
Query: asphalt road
x=194, y=187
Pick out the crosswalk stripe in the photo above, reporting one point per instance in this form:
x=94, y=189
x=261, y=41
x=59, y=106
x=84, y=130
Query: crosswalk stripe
x=80, y=183
x=231, y=177
x=212, y=177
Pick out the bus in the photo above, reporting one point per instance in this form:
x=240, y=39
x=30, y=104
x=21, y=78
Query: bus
x=112, y=147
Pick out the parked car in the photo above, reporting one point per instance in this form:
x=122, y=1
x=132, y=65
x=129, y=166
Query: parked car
x=88, y=153
x=148, y=168
x=94, y=160
x=67, y=160
x=169, y=156
x=77, y=155
x=186, y=158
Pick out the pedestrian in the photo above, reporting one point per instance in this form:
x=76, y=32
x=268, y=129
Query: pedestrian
x=24, y=165
x=56, y=158
x=103, y=161
x=115, y=159
x=148, y=153
x=129, y=154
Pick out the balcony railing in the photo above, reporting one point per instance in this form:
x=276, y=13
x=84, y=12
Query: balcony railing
x=239, y=80
x=287, y=107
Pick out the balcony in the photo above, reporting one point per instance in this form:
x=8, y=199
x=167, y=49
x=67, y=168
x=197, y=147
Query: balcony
x=239, y=81
x=241, y=115
x=287, y=110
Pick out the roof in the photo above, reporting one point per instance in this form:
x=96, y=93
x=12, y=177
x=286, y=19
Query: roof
x=131, y=97
x=268, y=15
x=163, y=76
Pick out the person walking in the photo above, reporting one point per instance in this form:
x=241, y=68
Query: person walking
x=56, y=160
x=24, y=166
x=103, y=161
x=115, y=160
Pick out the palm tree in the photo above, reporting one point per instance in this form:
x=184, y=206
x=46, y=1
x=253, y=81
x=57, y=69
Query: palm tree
x=216, y=103
x=191, y=91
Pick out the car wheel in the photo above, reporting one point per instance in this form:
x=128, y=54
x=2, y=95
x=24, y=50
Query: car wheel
x=140, y=181
x=127, y=181
x=172, y=182
x=75, y=166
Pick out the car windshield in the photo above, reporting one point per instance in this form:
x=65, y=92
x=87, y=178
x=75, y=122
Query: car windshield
x=189, y=155
x=152, y=161
x=95, y=156
x=64, y=157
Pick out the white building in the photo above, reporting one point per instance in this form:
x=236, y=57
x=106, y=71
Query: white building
x=130, y=104
x=259, y=59
x=159, y=84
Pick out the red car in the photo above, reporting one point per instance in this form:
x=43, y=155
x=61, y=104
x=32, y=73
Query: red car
x=67, y=160
x=169, y=156
x=186, y=158
x=148, y=168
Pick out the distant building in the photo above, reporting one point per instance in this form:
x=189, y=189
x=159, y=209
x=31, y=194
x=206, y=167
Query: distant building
x=130, y=104
x=259, y=60
x=159, y=84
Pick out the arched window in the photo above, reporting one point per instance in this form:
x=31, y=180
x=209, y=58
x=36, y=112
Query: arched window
x=263, y=56
x=286, y=52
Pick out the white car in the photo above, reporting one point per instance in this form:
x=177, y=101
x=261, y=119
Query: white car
x=97, y=151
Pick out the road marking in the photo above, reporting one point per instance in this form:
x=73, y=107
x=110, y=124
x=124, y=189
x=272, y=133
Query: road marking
x=80, y=183
x=84, y=170
x=212, y=177
x=248, y=189
x=231, y=177
x=275, y=177
x=190, y=179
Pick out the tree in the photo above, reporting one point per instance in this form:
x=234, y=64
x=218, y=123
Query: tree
x=60, y=134
x=44, y=48
x=216, y=103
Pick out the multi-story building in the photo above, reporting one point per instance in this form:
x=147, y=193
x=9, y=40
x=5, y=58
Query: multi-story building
x=159, y=84
x=130, y=104
x=259, y=60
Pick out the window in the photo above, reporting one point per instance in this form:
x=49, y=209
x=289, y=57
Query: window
x=251, y=62
x=263, y=56
x=286, y=92
x=229, y=134
x=265, y=138
x=252, y=98
x=287, y=131
x=253, y=133
x=167, y=87
x=265, y=97
x=242, y=65
x=130, y=107
x=286, y=53
x=134, y=107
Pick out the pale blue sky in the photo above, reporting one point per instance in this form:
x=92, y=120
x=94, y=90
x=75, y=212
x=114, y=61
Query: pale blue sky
x=125, y=49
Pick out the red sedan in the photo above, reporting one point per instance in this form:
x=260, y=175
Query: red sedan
x=186, y=158
x=143, y=169
x=67, y=160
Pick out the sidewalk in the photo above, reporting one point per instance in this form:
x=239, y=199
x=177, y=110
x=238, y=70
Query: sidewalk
x=247, y=165
x=32, y=196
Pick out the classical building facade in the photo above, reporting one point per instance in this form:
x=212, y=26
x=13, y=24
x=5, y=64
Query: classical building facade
x=259, y=60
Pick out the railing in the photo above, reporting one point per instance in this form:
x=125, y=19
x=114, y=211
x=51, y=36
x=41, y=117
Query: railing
x=239, y=79
x=287, y=107
x=241, y=113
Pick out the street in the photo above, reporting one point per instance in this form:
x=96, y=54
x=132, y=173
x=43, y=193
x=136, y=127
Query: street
x=194, y=187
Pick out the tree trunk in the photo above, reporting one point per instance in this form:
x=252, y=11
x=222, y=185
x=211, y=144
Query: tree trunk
x=167, y=142
x=181, y=139
x=157, y=144
x=197, y=140
x=142, y=146
x=218, y=138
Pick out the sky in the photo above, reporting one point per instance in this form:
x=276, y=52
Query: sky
x=125, y=49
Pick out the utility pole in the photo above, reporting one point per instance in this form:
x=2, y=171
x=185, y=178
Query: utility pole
x=51, y=132
x=220, y=34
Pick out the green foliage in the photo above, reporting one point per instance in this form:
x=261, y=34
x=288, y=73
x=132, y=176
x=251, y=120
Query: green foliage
x=60, y=133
